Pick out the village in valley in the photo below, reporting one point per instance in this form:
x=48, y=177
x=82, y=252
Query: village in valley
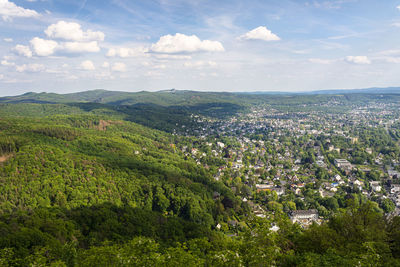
x=307, y=163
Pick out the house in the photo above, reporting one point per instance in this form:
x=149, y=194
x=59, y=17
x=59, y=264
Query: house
x=395, y=188
x=393, y=174
x=279, y=190
x=375, y=186
x=337, y=177
x=304, y=217
x=320, y=163
x=264, y=187
x=343, y=164
x=220, y=145
x=357, y=184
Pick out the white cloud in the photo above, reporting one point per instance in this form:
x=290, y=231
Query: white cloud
x=398, y=7
x=181, y=43
x=8, y=40
x=30, y=68
x=124, y=52
x=43, y=47
x=78, y=47
x=4, y=62
x=392, y=59
x=321, y=61
x=119, y=67
x=8, y=10
x=72, y=31
x=358, y=60
x=396, y=24
x=105, y=64
x=260, y=33
x=160, y=67
x=1, y=76
x=393, y=52
x=87, y=65
x=200, y=64
x=23, y=50
x=175, y=57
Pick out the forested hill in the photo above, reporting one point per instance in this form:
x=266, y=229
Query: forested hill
x=163, y=98
x=85, y=179
x=197, y=100
x=164, y=110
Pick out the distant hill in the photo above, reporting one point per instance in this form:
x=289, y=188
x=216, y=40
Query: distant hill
x=174, y=97
x=372, y=90
x=163, y=98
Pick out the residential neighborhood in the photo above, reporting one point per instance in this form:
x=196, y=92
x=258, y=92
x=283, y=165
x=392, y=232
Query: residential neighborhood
x=304, y=161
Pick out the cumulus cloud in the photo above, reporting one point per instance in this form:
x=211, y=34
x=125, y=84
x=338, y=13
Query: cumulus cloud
x=43, y=47
x=124, y=52
x=9, y=10
x=105, y=64
x=8, y=40
x=29, y=68
x=72, y=31
x=23, y=50
x=78, y=47
x=87, y=65
x=398, y=7
x=69, y=39
x=181, y=43
x=119, y=67
x=362, y=60
x=260, y=33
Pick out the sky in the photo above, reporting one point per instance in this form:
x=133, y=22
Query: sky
x=66, y=46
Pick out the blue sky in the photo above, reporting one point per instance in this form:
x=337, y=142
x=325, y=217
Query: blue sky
x=270, y=45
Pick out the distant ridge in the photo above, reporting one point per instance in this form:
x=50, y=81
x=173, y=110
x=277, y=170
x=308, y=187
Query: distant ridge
x=372, y=90
x=173, y=96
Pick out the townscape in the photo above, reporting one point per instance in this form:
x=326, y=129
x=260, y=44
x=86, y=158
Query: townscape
x=305, y=162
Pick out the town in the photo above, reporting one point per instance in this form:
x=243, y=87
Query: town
x=307, y=163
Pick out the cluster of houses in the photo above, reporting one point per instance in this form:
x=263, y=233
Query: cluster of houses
x=267, y=164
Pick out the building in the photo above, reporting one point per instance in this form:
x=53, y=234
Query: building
x=375, y=186
x=304, y=217
x=344, y=165
x=395, y=188
x=264, y=187
x=393, y=174
x=279, y=190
